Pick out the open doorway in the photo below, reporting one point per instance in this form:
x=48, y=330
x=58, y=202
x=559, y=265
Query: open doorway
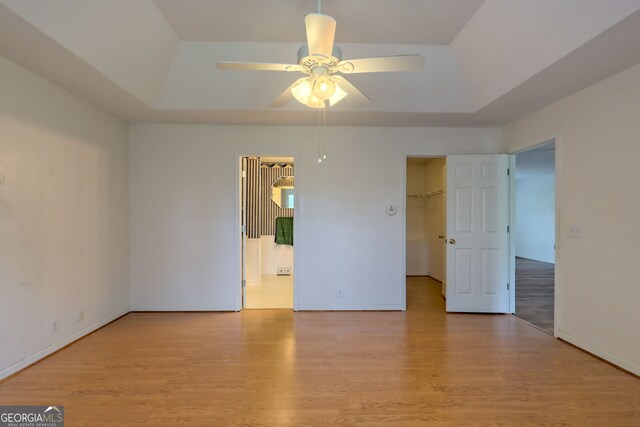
x=267, y=210
x=425, y=230
x=535, y=231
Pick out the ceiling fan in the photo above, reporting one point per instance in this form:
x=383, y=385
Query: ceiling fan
x=322, y=62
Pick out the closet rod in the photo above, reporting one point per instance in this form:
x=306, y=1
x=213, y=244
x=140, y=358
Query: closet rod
x=427, y=194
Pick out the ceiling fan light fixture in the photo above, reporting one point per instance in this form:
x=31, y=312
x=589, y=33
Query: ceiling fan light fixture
x=316, y=90
x=337, y=96
x=302, y=91
x=324, y=87
x=315, y=102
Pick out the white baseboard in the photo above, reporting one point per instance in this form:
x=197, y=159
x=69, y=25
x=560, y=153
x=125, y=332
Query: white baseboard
x=30, y=360
x=628, y=366
x=353, y=307
x=436, y=277
x=178, y=309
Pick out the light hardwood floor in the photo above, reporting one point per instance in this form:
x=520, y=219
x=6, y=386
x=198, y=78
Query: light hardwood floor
x=276, y=367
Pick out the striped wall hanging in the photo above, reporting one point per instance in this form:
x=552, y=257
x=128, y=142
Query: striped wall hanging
x=253, y=197
x=269, y=173
x=261, y=210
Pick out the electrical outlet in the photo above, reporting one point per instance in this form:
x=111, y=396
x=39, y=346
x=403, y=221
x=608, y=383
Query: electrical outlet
x=80, y=314
x=340, y=292
x=53, y=327
x=575, y=231
x=284, y=271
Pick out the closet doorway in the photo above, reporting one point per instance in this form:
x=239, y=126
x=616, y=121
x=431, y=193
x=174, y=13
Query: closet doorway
x=426, y=229
x=267, y=199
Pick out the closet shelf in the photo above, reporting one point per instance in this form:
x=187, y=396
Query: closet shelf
x=427, y=194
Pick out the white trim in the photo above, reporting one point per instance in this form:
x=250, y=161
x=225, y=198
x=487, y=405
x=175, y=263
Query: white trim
x=238, y=154
x=557, y=313
x=557, y=297
x=52, y=348
x=566, y=336
x=403, y=233
x=142, y=308
x=435, y=277
x=512, y=233
x=534, y=143
x=354, y=307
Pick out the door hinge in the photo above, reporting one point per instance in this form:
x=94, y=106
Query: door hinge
x=507, y=286
x=243, y=229
x=508, y=229
x=508, y=171
x=244, y=174
x=244, y=283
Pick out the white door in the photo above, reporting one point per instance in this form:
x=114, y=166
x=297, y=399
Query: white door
x=243, y=230
x=443, y=236
x=477, y=235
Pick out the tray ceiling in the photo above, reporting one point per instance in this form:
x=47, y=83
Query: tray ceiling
x=488, y=62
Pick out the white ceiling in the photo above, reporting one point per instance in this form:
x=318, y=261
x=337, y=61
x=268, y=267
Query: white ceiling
x=488, y=62
x=361, y=21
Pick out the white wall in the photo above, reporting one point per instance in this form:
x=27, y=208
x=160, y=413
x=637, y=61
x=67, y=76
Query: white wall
x=536, y=218
x=63, y=217
x=597, y=184
x=264, y=257
x=274, y=256
x=417, y=245
x=184, y=252
x=253, y=260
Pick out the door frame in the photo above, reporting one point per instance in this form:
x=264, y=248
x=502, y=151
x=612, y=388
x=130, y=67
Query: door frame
x=557, y=297
x=432, y=154
x=238, y=155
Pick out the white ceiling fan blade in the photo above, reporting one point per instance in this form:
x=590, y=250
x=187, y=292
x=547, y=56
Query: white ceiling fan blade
x=321, y=30
x=354, y=96
x=258, y=66
x=383, y=64
x=285, y=96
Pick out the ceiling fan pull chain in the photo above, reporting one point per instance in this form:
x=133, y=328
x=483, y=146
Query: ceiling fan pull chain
x=319, y=136
x=324, y=130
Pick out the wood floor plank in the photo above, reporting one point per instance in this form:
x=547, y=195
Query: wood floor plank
x=279, y=368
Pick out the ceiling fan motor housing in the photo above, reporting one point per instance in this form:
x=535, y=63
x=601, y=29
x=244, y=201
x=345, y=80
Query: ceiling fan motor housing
x=311, y=61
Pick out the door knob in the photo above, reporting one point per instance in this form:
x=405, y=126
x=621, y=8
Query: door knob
x=452, y=241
